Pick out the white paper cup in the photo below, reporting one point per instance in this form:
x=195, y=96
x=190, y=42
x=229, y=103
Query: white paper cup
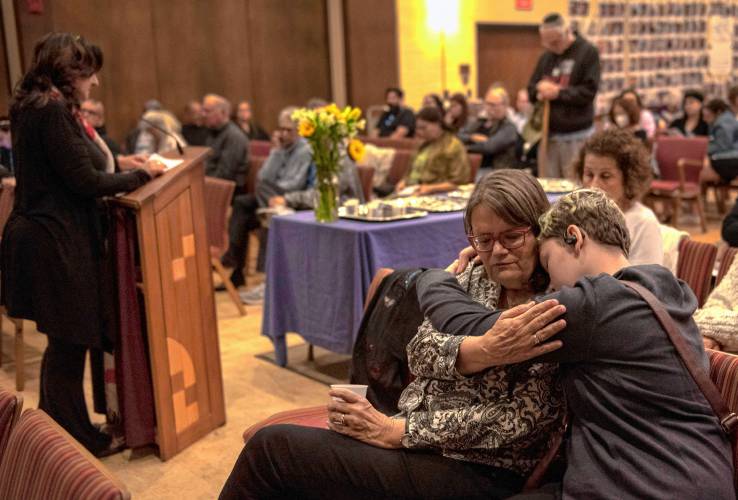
x=358, y=389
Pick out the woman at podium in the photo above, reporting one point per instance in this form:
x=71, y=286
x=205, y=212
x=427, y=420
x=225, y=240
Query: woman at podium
x=54, y=243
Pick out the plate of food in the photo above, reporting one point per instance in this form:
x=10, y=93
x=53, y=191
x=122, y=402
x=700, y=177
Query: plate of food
x=551, y=185
x=380, y=212
x=436, y=204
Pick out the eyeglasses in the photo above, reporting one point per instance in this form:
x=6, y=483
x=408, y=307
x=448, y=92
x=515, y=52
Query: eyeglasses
x=89, y=112
x=510, y=240
x=286, y=129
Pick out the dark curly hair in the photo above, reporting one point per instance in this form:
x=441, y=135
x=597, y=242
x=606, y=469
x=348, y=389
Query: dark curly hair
x=58, y=60
x=629, y=154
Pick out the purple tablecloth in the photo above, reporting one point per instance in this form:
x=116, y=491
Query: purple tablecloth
x=318, y=274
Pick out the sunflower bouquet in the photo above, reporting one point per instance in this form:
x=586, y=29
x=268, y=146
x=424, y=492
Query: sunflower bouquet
x=329, y=130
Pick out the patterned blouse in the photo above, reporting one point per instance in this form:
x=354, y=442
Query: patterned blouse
x=501, y=417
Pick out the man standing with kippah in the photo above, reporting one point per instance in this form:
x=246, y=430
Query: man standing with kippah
x=567, y=75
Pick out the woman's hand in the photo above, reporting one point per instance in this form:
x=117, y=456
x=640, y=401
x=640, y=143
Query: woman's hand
x=357, y=418
x=518, y=335
x=465, y=256
x=711, y=344
x=131, y=162
x=154, y=168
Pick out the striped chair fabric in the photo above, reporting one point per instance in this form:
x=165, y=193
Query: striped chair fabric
x=42, y=461
x=728, y=258
x=724, y=373
x=695, y=264
x=315, y=416
x=10, y=408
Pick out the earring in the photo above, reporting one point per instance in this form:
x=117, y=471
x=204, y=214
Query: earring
x=570, y=239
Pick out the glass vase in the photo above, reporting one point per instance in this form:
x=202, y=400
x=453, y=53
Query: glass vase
x=326, y=199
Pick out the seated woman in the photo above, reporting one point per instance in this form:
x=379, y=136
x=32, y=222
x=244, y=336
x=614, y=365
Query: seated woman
x=718, y=318
x=616, y=162
x=467, y=437
x=646, y=121
x=165, y=129
x=691, y=123
x=722, y=149
x=625, y=115
x=457, y=114
x=640, y=426
x=441, y=163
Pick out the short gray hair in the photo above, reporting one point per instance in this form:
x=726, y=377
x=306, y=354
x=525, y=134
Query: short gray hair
x=286, y=113
x=220, y=101
x=593, y=212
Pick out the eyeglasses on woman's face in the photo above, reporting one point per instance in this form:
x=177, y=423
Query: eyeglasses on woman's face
x=510, y=240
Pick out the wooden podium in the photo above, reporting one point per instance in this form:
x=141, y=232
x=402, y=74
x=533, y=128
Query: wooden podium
x=177, y=287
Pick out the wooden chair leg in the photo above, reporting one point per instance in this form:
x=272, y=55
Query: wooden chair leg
x=20, y=360
x=701, y=212
x=229, y=286
x=676, y=206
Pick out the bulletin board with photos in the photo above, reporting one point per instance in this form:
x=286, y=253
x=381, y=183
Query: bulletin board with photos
x=659, y=46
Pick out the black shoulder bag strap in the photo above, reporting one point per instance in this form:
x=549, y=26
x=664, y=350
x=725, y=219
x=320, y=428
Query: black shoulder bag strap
x=728, y=419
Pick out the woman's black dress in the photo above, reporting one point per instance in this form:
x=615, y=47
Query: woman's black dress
x=52, y=251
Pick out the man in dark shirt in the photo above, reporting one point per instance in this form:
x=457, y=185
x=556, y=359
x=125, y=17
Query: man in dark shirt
x=492, y=135
x=229, y=161
x=640, y=426
x=93, y=112
x=230, y=146
x=397, y=121
x=567, y=75
x=193, y=130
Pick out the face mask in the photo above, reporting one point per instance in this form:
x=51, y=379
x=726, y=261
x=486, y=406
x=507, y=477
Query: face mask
x=622, y=121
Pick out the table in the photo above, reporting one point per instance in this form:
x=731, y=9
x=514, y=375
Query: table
x=317, y=275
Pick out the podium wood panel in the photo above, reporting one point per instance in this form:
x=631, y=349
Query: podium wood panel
x=179, y=303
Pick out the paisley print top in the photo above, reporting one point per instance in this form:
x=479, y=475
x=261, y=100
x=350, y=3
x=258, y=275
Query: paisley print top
x=501, y=417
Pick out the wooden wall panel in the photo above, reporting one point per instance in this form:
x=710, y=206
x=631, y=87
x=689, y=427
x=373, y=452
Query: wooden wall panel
x=371, y=50
x=506, y=54
x=5, y=83
x=273, y=52
x=289, y=54
x=216, y=50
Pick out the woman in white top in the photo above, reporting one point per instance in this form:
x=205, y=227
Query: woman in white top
x=616, y=161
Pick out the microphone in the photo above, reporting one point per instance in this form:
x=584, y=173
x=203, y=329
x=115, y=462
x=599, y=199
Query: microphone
x=165, y=132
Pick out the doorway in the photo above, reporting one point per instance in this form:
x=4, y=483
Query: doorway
x=506, y=54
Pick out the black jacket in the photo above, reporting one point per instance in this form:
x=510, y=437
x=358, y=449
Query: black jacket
x=53, y=245
x=380, y=358
x=577, y=71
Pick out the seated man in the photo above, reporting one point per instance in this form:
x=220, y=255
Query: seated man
x=397, y=121
x=284, y=171
x=229, y=161
x=492, y=134
x=230, y=156
x=349, y=186
x=93, y=112
x=640, y=426
x=193, y=130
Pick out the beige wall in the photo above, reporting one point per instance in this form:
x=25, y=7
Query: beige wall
x=419, y=49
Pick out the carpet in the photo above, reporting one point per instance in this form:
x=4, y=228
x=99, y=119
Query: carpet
x=327, y=367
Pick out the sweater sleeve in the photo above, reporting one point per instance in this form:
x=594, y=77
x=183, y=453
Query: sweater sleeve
x=720, y=140
x=450, y=310
x=718, y=319
x=729, y=231
x=70, y=158
x=500, y=141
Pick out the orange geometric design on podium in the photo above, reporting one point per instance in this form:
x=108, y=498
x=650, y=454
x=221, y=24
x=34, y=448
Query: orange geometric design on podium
x=184, y=390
